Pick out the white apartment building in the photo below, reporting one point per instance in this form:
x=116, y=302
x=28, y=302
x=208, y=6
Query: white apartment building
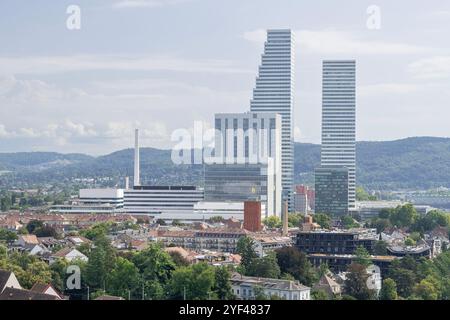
x=244, y=288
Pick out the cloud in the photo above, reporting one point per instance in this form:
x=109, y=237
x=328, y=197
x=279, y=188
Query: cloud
x=387, y=89
x=437, y=67
x=445, y=14
x=58, y=64
x=145, y=3
x=339, y=42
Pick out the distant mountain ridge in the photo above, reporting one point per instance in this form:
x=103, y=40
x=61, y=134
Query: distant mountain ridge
x=417, y=163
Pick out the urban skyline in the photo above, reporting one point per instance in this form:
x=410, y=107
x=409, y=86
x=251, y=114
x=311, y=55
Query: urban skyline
x=95, y=76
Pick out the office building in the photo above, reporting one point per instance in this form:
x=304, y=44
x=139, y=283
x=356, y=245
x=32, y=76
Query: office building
x=239, y=183
x=274, y=92
x=160, y=201
x=339, y=119
x=93, y=201
x=247, y=160
x=331, y=185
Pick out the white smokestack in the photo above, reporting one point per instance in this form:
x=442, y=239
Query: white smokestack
x=127, y=183
x=136, y=158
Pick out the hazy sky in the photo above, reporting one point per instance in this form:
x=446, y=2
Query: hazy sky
x=163, y=64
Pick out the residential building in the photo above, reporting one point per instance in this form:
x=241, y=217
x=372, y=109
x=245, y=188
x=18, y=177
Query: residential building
x=339, y=120
x=328, y=285
x=331, y=185
x=335, y=241
x=265, y=243
x=274, y=93
x=340, y=262
x=68, y=254
x=224, y=240
x=245, y=288
x=8, y=280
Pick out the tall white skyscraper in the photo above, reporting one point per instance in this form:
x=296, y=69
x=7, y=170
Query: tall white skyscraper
x=274, y=93
x=339, y=119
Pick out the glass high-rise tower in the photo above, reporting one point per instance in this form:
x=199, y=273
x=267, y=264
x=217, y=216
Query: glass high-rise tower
x=339, y=119
x=274, y=92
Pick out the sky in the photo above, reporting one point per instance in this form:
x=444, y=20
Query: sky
x=163, y=65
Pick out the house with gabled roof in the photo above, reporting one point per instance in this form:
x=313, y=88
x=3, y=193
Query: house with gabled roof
x=8, y=280
x=68, y=254
x=47, y=289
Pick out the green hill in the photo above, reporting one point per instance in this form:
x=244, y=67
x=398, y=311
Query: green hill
x=417, y=163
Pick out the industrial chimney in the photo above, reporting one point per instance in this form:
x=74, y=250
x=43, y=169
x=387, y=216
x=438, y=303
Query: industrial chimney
x=136, y=158
x=285, y=220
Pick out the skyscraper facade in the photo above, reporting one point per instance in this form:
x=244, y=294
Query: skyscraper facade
x=339, y=120
x=247, y=160
x=274, y=93
x=331, y=184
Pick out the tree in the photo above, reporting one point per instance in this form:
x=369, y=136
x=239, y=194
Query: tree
x=36, y=272
x=348, y=222
x=98, y=230
x=3, y=252
x=426, y=290
x=216, y=219
x=404, y=278
x=46, y=231
x=161, y=222
x=245, y=248
x=222, y=286
x=356, y=282
x=323, y=220
x=319, y=295
x=123, y=279
x=380, y=248
x=33, y=225
x=58, y=269
x=404, y=216
x=294, y=219
x=8, y=236
x=265, y=267
x=102, y=260
x=154, y=264
x=194, y=282
x=176, y=222
x=272, y=222
x=380, y=224
x=293, y=261
x=362, y=256
x=362, y=195
x=178, y=259
x=431, y=220
x=5, y=203
x=388, y=290
x=258, y=293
